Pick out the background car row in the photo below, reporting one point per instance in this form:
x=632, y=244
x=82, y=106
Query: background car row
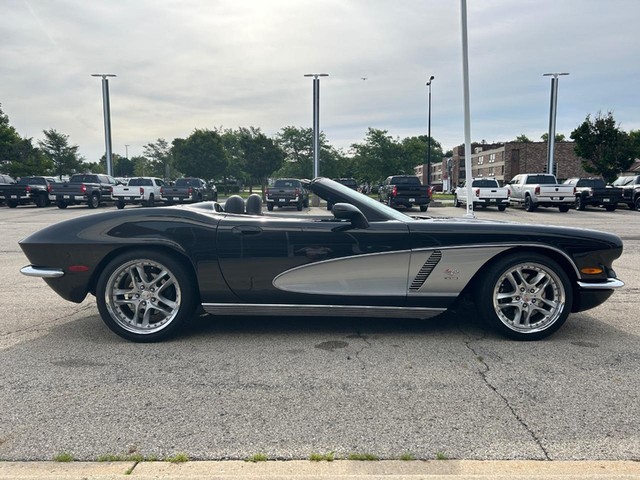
x=98, y=189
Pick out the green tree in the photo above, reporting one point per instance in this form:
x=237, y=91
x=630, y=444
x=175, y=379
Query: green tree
x=202, y=154
x=522, y=139
x=261, y=155
x=379, y=156
x=297, y=145
x=160, y=160
x=634, y=137
x=55, y=146
x=28, y=160
x=559, y=137
x=9, y=140
x=415, y=150
x=606, y=149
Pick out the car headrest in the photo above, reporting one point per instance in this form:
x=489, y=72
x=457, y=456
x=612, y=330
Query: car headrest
x=254, y=204
x=234, y=204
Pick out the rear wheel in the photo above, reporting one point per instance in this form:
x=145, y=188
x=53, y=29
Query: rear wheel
x=42, y=200
x=456, y=202
x=94, y=201
x=151, y=201
x=502, y=208
x=61, y=204
x=146, y=296
x=525, y=296
x=529, y=206
x=580, y=205
x=12, y=203
x=563, y=208
x=610, y=208
x=299, y=205
x=636, y=203
x=424, y=208
x=270, y=206
x=120, y=204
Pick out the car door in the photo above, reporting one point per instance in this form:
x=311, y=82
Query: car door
x=299, y=261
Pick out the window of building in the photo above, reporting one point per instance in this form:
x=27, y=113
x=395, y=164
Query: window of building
x=492, y=158
x=480, y=159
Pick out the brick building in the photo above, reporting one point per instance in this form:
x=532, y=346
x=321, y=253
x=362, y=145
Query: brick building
x=503, y=161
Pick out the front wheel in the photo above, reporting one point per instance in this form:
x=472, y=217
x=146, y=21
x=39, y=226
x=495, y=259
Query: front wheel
x=525, y=296
x=146, y=296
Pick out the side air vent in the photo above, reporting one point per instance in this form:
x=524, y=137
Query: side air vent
x=425, y=271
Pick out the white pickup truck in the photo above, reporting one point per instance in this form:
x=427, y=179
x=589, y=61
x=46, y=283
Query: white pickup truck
x=138, y=190
x=484, y=192
x=533, y=190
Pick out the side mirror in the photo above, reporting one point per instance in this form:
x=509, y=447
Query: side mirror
x=349, y=212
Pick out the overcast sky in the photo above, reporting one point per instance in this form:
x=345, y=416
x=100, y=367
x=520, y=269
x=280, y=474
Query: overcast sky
x=187, y=64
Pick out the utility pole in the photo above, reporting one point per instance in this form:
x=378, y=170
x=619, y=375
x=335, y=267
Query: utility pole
x=552, y=118
x=107, y=118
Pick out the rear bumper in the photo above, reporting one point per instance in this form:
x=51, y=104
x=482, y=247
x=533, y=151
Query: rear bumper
x=41, y=272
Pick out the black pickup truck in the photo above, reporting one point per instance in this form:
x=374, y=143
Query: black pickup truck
x=28, y=190
x=287, y=192
x=90, y=188
x=188, y=190
x=630, y=185
x=5, y=180
x=405, y=191
x=594, y=192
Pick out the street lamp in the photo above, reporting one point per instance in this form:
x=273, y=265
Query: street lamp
x=126, y=150
x=552, y=117
x=316, y=119
x=107, y=117
x=429, y=134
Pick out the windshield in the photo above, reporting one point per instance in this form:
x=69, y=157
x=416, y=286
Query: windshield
x=541, y=180
x=335, y=192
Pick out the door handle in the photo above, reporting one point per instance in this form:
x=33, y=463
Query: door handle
x=246, y=230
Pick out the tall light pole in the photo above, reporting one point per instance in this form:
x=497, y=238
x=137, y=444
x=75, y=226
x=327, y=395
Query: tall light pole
x=468, y=177
x=107, y=117
x=126, y=151
x=552, y=118
x=429, y=134
x=316, y=119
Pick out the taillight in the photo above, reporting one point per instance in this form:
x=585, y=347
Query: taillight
x=267, y=191
x=83, y=188
x=190, y=190
x=394, y=192
x=161, y=191
x=49, y=188
x=430, y=191
x=575, y=190
x=28, y=188
x=141, y=191
x=537, y=190
x=477, y=192
x=297, y=192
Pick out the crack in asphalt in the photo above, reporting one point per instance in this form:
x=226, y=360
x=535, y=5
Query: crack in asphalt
x=483, y=374
x=367, y=344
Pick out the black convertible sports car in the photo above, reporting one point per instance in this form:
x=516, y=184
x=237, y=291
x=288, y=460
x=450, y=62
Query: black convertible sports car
x=150, y=268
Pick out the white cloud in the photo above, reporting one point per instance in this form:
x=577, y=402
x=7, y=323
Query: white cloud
x=192, y=64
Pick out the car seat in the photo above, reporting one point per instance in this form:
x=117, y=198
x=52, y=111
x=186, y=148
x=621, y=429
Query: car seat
x=254, y=204
x=234, y=204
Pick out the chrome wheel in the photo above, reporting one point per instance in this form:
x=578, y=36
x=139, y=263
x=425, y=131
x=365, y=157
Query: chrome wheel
x=529, y=297
x=143, y=296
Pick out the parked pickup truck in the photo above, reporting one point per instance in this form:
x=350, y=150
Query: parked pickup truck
x=593, y=191
x=90, y=188
x=405, y=191
x=533, y=190
x=287, y=192
x=5, y=180
x=485, y=192
x=138, y=191
x=188, y=190
x=27, y=190
x=630, y=186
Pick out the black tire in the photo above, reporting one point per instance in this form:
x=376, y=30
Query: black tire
x=151, y=202
x=120, y=204
x=306, y=203
x=636, y=203
x=61, y=204
x=299, y=205
x=502, y=208
x=456, y=202
x=509, y=303
x=173, y=296
x=529, y=205
x=610, y=208
x=42, y=200
x=424, y=208
x=270, y=206
x=12, y=203
x=580, y=205
x=94, y=201
x=563, y=208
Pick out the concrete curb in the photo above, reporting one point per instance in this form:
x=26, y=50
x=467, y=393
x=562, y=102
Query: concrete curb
x=341, y=469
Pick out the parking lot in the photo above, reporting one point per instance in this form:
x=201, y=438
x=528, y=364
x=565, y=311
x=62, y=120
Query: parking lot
x=234, y=387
